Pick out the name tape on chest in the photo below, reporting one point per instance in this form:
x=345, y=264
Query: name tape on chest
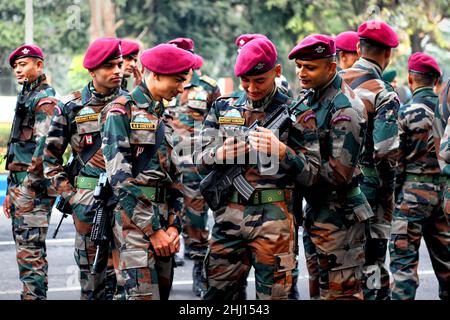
x=232, y=120
x=150, y=126
x=86, y=118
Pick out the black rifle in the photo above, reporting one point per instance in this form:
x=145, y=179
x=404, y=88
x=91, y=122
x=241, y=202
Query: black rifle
x=217, y=186
x=102, y=228
x=19, y=116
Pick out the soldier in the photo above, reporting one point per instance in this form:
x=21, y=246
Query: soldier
x=75, y=123
x=130, y=51
x=258, y=231
x=346, y=51
x=285, y=88
x=379, y=155
x=137, y=146
x=346, y=55
x=336, y=208
x=30, y=198
x=442, y=140
x=191, y=108
x=418, y=212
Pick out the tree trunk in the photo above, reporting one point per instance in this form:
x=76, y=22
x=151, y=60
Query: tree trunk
x=103, y=19
x=416, y=42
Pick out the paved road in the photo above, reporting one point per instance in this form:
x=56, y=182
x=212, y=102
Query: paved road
x=63, y=277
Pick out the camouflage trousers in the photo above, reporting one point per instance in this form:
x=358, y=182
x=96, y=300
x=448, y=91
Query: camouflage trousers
x=195, y=230
x=311, y=265
x=375, y=271
x=30, y=214
x=418, y=214
x=105, y=284
x=335, y=227
x=261, y=236
x=145, y=275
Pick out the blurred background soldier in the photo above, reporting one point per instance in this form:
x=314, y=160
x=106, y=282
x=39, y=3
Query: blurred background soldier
x=192, y=106
x=30, y=198
x=257, y=231
x=418, y=212
x=379, y=155
x=75, y=123
x=137, y=145
x=130, y=52
x=336, y=210
x=346, y=52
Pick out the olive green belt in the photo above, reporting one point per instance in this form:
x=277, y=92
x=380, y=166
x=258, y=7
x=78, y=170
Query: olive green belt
x=353, y=192
x=369, y=172
x=152, y=193
x=18, y=176
x=261, y=196
x=85, y=182
x=436, y=179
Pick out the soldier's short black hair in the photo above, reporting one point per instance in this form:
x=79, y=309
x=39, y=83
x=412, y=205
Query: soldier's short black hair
x=424, y=79
x=371, y=47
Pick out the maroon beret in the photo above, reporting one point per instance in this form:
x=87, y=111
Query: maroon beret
x=100, y=51
x=313, y=47
x=167, y=59
x=189, y=45
x=256, y=57
x=26, y=50
x=346, y=41
x=129, y=47
x=423, y=63
x=378, y=31
x=245, y=38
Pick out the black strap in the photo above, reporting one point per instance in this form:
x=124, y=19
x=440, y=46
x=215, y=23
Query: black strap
x=368, y=76
x=149, y=151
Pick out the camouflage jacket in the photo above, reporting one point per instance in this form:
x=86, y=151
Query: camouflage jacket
x=75, y=123
x=444, y=111
x=441, y=116
x=382, y=103
x=230, y=115
x=131, y=123
x=191, y=107
x=28, y=151
x=341, y=122
x=417, y=151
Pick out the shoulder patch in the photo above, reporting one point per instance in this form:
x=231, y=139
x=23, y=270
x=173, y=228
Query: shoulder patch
x=309, y=117
x=209, y=80
x=58, y=110
x=45, y=101
x=117, y=109
x=71, y=97
x=341, y=118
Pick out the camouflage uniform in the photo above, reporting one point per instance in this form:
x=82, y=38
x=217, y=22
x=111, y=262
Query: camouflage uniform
x=418, y=211
x=337, y=210
x=261, y=232
x=75, y=123
x=31, y=196
x=149, y=200
x=378, y=162
x=441, y=117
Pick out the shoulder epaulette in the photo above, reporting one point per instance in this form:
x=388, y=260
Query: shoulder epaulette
x=71, y=97
x=209, y=80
